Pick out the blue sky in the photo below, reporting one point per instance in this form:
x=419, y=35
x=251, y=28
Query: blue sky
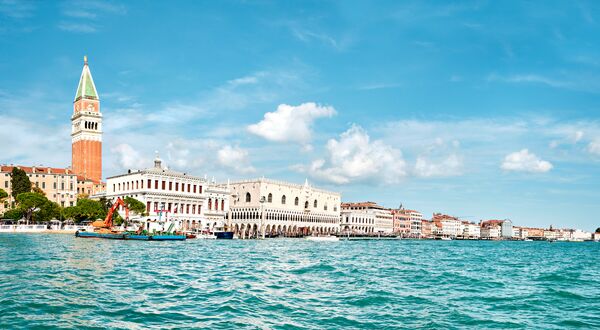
x=483, y=109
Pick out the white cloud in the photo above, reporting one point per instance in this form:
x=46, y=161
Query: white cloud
x=128, y=158
x=450, y=166
x=291, y=123
x=524, y=161
x=235, y=158
x=354, y=157
x=77, y=27
x=594, y=147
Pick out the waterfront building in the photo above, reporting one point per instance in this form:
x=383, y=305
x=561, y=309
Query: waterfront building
x=268, y=207
x=471, y=230
x=535, y=233
x=504, y=227
x=426, y=229
x=447, y=226
x=58, y=184
x=520, y=232
x=357, y=222
x=187, y=201
x=491, y=231
x=416, y=219
x=550, y=234
x=401, y=222
x=86, y=128
x=384, y=223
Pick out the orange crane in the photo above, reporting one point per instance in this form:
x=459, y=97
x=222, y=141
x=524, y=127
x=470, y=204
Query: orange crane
x=106, y=225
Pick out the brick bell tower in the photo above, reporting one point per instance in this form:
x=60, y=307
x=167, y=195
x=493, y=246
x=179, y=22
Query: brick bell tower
x=86, y=128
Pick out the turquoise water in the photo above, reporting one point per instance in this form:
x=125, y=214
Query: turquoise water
x=58, y=281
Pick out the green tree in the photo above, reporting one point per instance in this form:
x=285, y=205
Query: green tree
x=29, y=203
x=38, y=190
x=14, y=214
x=20, y=182
x=48, y=211
x=598, y=230
x=135, y=206
x=3, y=194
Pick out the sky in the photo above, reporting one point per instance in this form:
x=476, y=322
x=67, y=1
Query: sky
x=478, y=109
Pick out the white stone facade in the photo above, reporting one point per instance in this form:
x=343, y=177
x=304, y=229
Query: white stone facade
x=384, y=220
x=188, y=201
x=357, y=222
x=264, y=207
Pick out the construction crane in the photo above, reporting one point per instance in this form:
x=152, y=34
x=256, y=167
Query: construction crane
x=107, y=224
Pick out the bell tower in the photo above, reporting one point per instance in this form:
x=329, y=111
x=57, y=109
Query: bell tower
x=86, y=128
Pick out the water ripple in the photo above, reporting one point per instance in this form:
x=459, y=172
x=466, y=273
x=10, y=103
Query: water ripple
x=57, y=281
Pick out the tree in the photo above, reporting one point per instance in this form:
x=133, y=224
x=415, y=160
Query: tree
x=3, y=194
x=598, y=230
x=48, y=211
x=29, y=203
x=38, y=190
x=135, y=206
x=14, y=214
x=20, y=182
x=86, y=209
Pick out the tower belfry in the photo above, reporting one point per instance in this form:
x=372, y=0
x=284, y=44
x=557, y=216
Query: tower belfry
x=86, y=128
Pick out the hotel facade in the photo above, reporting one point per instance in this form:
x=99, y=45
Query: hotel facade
x=265, y=207
x=187, y=201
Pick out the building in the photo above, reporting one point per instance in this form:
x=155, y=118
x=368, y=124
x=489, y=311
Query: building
x=520, y=232
x=447, y=226
x=86, y=129
x=504, y=229
x=471, y=230
x=416, y=220
x=490, y=232
x=58, y=184
x=187, y=201
x=402, y=223
x=357, y=222
x=265, y=207
x=384, y=222
x=426, y=229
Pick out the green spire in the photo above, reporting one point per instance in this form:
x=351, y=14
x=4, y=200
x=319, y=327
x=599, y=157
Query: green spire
x=86, y=88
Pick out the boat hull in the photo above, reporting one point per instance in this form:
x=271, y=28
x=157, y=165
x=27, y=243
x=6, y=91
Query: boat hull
x=224, y=235
x=87, y=234
x=133, y=237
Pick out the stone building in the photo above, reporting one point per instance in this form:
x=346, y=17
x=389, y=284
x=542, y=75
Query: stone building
x=187, y=201
x=383, y=223
x=59, y=184
x=265, y=207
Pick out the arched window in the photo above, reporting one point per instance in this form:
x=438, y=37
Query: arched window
x=315, y=204
x=248, y=197
x=325, y=207
x=209, y=204
x=296, y=201
x=306, y=205
x=270, y=198
x=283, y=199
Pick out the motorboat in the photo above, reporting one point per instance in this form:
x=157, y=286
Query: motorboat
x=322, y=238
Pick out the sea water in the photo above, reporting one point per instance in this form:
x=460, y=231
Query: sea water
x=59, y=281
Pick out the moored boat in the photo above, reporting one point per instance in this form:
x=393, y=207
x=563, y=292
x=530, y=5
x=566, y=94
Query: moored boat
x=322, y=238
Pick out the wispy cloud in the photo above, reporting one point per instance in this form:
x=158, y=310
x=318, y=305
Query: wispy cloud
x=584, y=82
x=17, y=9
x=78, y=28
x=83, y=16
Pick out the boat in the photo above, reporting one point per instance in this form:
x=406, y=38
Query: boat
x=91, y=234
x=528, y=240
x=322, y=238
x=446, y=239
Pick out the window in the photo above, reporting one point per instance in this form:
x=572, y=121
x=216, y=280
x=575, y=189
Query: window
x=200, y=187
x=5, y=184
x=43, y=185
x=315, y=204
x=283, y=199
x=54, y=186
x=248, y=197
x=335, y=208
x=222, y=205
x=325, y=207
x=62, y=186
x=194, y=189
x=176, y=186
x=209, y=204
x=149, y=183
x=147, y=207
x=270, y=198
x=189, y=187
x=71, y=185
x=164, y=184
x=306, y=205
x=170, y=185
x=296, y=201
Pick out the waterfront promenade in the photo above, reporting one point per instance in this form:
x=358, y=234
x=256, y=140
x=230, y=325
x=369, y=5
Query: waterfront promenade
x=57, y=281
